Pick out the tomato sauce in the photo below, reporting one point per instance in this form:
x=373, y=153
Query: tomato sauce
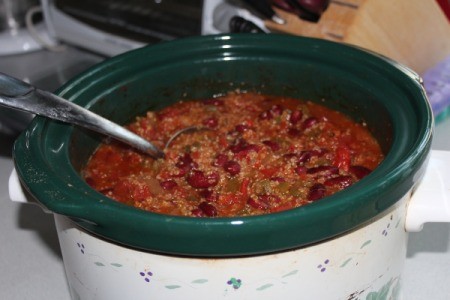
x=255, y=154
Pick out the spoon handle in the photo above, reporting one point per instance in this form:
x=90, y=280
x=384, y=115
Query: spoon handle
x=20, y=95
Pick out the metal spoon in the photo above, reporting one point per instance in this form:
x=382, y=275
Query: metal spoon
x=15, y=93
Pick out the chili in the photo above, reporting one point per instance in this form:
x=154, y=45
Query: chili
x=258, y=154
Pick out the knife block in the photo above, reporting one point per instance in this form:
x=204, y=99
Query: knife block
x=413, y=32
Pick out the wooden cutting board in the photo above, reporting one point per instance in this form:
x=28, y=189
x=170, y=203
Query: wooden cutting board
x=413, y=32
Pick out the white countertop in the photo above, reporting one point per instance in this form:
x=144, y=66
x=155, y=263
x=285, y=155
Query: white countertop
x=32, y=268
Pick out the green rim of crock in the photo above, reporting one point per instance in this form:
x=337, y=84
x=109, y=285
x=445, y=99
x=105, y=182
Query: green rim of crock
x=42, y=153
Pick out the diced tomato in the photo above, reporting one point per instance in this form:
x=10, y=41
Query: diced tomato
x=230, y=204
x=127, y=189
x=195, y=155
x=244, y=187
x=223, y=142
x=269, y=172
x=342, y=159
x=284, y=206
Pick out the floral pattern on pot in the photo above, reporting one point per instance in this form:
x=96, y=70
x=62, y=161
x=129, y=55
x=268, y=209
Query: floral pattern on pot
x=236, y=282
x=363, y=264
x=391, y=290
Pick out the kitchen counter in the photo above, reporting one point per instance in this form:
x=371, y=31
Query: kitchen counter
x=30, y=259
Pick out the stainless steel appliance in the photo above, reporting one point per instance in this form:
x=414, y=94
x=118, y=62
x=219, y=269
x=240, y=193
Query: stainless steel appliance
x=114, y=26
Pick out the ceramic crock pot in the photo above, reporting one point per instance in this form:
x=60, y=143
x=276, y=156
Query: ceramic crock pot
x=351, y=245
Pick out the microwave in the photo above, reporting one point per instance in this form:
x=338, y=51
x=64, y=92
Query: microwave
x=110, y=27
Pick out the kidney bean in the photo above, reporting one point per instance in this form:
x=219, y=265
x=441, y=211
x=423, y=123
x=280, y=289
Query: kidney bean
x=276, y=110
x=233, y=133
x=200, y=180
x=208, y=195
x=272, y=145
x=186, y=163
x=241, y=128
x=263, y=202
x=309, y=122
x=238, y=146
x=359, y=171
x=295, y=117
x=232, y=167
x=205, y=193
x=214, y=102
x=341, y=181
x=243, y=146
x=257, y=204
x=210, y=122
x=253, y=203
x=304, y=156
x=197, y=212
x=208, y=209
x=168, y=184
x=316, y=192
x=324, y=170
x=300, y=170
x=294, y=132
x=266, y=115
x=251, y=147
x=220, y=160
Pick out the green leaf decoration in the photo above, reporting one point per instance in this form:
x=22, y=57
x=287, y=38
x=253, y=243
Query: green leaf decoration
x=346, y=262
x=372, y=296
x=290, y=273
x=365, y=244
x=99, y=264
x=200, y=281
x=172, y=287
x=116, y=265
x=264, y=287
x=382, y=294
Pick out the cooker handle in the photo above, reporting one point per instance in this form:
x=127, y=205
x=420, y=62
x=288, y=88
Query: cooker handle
x=16, y=192
x=430, y=201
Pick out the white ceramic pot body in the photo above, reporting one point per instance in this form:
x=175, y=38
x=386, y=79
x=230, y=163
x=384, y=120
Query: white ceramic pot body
x=363, y=264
